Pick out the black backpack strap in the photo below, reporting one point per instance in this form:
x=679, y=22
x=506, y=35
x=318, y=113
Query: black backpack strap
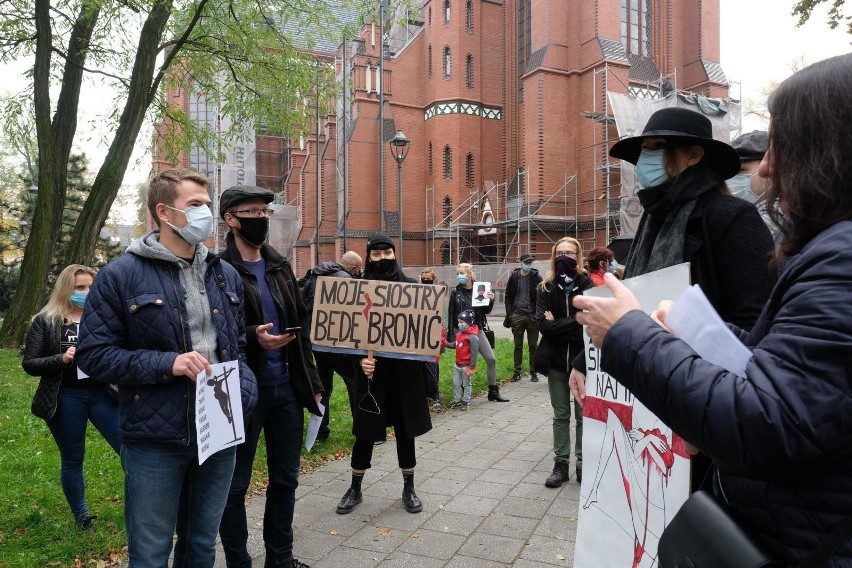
x=820, y=555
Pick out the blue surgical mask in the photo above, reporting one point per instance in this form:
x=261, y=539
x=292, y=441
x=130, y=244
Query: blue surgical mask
x=199, y=224
x=740, y=186
x=78, y=298
x=613, y=266
x=526, y=267
x=463, y=326
x=462, y=279
x=650, y=169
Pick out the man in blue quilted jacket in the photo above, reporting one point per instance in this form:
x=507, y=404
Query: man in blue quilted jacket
x=161, y=314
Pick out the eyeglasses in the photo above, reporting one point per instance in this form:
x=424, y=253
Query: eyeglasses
x=566, y=253
x=254, y=212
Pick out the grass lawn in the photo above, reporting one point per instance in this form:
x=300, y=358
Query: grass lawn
x=36, y=526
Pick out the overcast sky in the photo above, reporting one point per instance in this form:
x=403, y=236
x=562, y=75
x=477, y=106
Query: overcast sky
x=759, y=42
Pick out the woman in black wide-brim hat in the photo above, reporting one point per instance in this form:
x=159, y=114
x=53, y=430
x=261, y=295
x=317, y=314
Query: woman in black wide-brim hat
x=690, y=216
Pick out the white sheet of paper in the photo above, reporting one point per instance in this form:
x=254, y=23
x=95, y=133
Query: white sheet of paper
x=80, y=374
x=313, y=428
x=694, y=320
x=479, y=296
x=218, y=410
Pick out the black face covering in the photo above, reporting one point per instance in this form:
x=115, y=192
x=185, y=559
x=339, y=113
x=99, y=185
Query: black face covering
x=426, y=282
x=254, y=229
x=383, y=267
x=566, y=269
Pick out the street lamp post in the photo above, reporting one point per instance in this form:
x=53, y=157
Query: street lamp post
x=399, y=149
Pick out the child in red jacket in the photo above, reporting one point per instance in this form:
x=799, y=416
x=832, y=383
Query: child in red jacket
x=467, y=349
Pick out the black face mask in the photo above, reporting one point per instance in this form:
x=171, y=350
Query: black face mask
x=566, y=268
x=427, y=282
x=254, y=229
x=384, y=267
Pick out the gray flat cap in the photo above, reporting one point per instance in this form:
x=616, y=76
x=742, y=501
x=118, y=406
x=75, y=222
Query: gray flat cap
x=752, y=145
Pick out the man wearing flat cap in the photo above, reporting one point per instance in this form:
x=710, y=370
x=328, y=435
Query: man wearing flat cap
x=751, y=147
x=279, y=352
x=520, y=312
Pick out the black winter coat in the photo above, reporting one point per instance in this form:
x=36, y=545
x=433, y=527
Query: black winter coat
x=43, y=358
x=292, y=313
x=399, y=389
x=512, y=289
x=781, y=435
x=562, y=337
x=728, y=247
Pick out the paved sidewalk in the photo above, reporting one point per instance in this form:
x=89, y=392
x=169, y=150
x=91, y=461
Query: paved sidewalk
x=480, y=475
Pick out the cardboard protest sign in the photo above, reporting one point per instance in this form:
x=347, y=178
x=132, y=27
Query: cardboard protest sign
x=394, y=319
x=218, y=409
x=636, y=470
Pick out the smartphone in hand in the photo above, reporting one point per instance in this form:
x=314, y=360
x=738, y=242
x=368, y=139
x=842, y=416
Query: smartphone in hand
x=292, y=329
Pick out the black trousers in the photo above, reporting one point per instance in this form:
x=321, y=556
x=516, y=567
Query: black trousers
x=362, y=451
x=327, y=365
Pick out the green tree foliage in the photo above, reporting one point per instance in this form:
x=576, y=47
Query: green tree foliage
x=804, y=8
x=248, y=55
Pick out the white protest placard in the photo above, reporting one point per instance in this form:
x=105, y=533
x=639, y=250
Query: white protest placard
x=314, y=423
x=479, y=294
x=400, y=320
x=218, y=409
x=635, y=469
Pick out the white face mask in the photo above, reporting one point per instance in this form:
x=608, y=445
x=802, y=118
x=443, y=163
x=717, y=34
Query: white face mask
x=199, y=224
x=740, y=186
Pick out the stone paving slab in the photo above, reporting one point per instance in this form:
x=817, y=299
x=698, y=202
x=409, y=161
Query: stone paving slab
x=480, y=475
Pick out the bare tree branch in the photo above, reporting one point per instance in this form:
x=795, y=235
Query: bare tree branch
x=85, y=69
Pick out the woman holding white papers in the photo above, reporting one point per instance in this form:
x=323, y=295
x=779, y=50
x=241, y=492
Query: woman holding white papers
x=781, y=433
x=66, y=400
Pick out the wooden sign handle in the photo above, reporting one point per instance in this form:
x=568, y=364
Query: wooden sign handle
x=370, y=357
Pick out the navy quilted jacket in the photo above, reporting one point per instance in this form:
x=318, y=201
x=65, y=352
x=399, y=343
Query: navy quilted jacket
x=781, y=435
x=134, y=328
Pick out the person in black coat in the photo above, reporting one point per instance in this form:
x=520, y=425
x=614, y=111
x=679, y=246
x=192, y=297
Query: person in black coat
x=64, y=400
x=388, y=392
x=779, y=433
x=690, y=216
x=461, y=299
x=561, y=340
x=521, y=290
x=278, y=351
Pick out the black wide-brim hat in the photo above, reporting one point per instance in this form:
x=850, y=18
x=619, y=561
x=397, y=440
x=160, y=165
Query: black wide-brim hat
x=690, y=126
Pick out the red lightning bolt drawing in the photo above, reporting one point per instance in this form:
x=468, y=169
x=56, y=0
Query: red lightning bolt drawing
x=369, y=305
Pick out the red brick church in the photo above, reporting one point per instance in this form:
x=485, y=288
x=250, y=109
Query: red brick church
x=509, y=110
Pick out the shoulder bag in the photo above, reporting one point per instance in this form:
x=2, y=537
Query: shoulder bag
x=489, y=334
x=704, y=534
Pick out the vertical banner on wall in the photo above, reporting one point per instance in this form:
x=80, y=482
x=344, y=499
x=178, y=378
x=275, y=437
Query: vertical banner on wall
x=239, y=166
x=635, y=469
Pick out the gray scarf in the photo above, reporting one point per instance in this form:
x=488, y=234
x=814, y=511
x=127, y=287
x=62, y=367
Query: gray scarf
x=660, y=236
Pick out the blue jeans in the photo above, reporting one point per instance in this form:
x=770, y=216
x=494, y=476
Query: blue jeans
x=280, y=416
x=164, y=483
x=76, y=407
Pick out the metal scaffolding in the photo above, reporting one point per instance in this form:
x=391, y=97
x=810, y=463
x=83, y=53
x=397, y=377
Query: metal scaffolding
x=498, y=224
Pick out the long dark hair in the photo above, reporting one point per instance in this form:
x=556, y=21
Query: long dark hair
x=811, y=152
